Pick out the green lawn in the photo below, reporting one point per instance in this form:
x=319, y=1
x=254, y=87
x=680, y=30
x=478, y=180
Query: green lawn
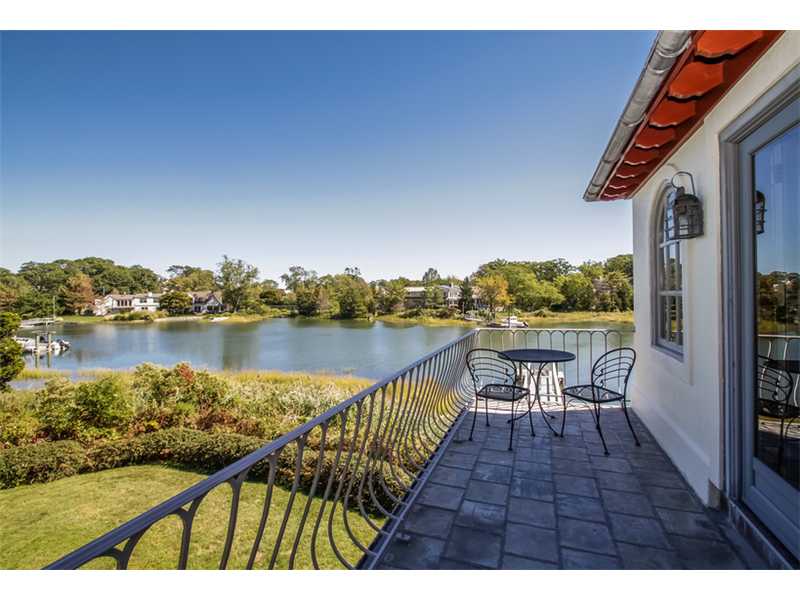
x=39, y=523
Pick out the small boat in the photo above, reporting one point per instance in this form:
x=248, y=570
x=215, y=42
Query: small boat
x=511, y=322
x=40, y=345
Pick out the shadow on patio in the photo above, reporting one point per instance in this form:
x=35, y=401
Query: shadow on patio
x=561, y=503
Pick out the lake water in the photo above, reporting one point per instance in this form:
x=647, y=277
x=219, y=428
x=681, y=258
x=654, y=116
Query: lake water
x=372, y=350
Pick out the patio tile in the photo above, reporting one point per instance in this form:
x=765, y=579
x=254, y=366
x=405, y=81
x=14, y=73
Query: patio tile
x=638, y=530
x=426, y=520
x=531, y=542
x=450, y=476
x=458, y=460
x=474, y=546
x=446, y=564
x=627, y=503
x=497, y=457
x=583, y=535
x=575, y=560
x=695, y=525
x=572, y=467
x=661, y=478
x=570, y=453
x=532, y=488
x=485, y=491
x=479, y=515
x=610, y=463
x=580, y=486
x=580, y=507
x=466, y=447
x=675, y=499
x=705, y=554
x=441, y=496
x=511, y=562
x=498, y=443
x=419, y=552
x=493, y=473
x=531, y=512
x=534, y=455
x=639, y=557
x=618, y=481
x=530, y=470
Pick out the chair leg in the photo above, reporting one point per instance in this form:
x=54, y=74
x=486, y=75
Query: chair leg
x=564, y=416
x=628, y=419
x=474, y=417
x=530, y=415
x=486, y=407
x=511, y=435
x=596, y=410
x=781, y=440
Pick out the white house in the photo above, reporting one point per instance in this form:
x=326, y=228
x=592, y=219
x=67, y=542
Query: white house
x=415, y=295
x=718, y=113
x=207, y=302
x=117, y=303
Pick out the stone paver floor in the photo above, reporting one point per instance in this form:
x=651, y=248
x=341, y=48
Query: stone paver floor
x=561, y=503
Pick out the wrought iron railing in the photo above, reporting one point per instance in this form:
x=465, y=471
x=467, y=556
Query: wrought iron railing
x=782, y=347
x=346, y=478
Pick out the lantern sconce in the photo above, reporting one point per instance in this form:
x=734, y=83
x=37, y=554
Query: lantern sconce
x=684, y=212
x=760, y=212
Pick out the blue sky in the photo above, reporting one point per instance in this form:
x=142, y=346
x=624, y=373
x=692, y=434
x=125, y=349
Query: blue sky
x=390, y=151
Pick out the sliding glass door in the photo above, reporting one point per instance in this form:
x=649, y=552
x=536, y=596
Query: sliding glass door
x=769, y=160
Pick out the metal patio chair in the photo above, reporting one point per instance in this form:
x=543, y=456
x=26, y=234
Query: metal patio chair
x=496, y=379
x=609, y=383
x=774, y=399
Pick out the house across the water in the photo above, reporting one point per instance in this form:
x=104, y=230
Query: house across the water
x=117, y=303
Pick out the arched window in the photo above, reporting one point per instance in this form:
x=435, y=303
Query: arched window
x=668, y=317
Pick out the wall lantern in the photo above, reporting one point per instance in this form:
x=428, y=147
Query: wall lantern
x=761, y=212
x=684, y=212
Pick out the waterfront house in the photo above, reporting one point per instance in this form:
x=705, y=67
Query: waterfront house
x=717, y=113
x=207, y=302
x=415, y=296
x=118, y=303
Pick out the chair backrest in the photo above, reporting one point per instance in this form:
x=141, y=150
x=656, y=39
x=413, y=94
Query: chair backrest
x=773, y=385
x=613, y=369
x=486, y=366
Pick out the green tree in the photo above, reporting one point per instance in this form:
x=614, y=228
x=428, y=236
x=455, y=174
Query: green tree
x=533, y=295
x=237, y=280
x=493, y=291
x=270, y=294
x=176, y=303
x=190, y=279
x=430, y=276
x=77, y=293
x=297, y=276
x=550, y=270
x=390, y=296
x=434, y=296
x=620, y=290
x=466, y=301
x=622, y=263
x=307, y=299
x=11, y=363
x=353, y=295
x=593, y=269
x=577, y=290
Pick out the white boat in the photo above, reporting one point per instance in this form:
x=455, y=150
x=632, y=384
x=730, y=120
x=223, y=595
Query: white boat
x=30, y=345
x=510, y=322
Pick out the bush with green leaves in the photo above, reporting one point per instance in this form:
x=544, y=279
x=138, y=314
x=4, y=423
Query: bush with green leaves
x=11, y=363
x=40, y=463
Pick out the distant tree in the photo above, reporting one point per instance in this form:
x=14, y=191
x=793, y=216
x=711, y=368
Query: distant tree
x=296, y=276
x=593, y=269
x=237, y=280
x=622, y=263
x=430, y=276
x=533, y=294
x=176, y=303
x=190, y=279
x=620, y=290
x=434, y=296
x=353, y=296
x=270, y=294
x=577, y=290
x=466, y=301
x=307, y=299
x=77, y=293
x=143, y=280
x=493, y=291
x=11, y=363
x=12, y=288
x=390, y=296
x=550, y=270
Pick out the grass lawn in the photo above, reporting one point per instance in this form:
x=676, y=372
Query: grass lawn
x=556, y=318
x=42, y=522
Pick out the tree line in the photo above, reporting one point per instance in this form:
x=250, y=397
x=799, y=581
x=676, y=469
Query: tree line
x=70, y=287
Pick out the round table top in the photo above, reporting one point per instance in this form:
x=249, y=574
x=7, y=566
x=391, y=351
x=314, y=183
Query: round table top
x=790, y=366
x=537, y=355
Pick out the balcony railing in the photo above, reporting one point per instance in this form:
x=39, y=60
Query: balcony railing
x=346, y=478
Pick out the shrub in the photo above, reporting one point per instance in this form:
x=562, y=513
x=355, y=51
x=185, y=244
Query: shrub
x=40, y=463
x=55, y=408
x=17, y=424
x=11, y=362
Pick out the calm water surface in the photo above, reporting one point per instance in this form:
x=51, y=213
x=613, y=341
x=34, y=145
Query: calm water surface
x=372, y=350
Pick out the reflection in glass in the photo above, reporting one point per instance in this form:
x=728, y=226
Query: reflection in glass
x=777, y=182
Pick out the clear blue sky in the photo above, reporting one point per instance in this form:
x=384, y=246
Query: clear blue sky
x=389, y=151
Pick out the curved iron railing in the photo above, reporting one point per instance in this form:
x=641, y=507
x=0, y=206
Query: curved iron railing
x=347, y=477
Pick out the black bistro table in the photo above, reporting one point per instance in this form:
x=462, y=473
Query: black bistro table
x=541, y=357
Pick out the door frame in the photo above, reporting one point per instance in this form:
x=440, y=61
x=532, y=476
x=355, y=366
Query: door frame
x=735, y=303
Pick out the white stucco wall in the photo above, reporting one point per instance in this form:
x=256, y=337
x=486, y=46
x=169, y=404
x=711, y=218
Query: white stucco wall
x=681, y=401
